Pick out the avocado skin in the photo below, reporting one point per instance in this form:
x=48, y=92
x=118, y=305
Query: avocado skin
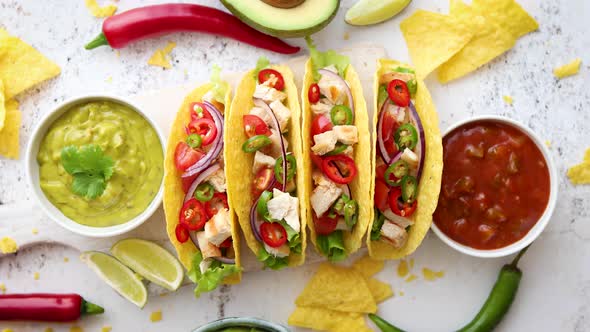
x=281, y=33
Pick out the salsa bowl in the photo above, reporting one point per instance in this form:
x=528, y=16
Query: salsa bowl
x=46, y=152
x=463, y=227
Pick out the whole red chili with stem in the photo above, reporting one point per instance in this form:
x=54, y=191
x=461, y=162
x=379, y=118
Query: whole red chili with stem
x=46, y=307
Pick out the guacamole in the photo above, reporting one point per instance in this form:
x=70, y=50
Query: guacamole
x=124, y=136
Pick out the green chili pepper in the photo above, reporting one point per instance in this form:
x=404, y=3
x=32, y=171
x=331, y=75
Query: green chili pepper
x=194, y=141
x=262, y=206
x=341, y=115
x=204, y=192
x=406, y=136
x=256, y=143
x=338, y=207
x=350, y=213
x=409, y=189
x=377, y=224
x=384, y=325
x=398, y=169
x=338, y=149
x=291, y=167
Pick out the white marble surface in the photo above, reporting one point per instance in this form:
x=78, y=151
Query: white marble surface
x=555, y=290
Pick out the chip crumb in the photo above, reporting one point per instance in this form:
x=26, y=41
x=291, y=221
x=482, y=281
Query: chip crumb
x=7, y=330
x=9, y=135
x=48, y=329
x=548, y=143
x=346, y=36
x=117, y=53
x=402, y=268
x=66, y=259
x=156, y=316
x=431, y=275
x=568, y=69
x=8, y=245
x=411, y=278
x=35, y=231
x=508, y=100
x=76, y=329
x=161, y=57
x=2, y=287
x=98, y=11
x=580, y=174
x=164, y=294
x=106, y=329
x=109, y=79
x=411, y=263
x=401, y=293
x=36, y=276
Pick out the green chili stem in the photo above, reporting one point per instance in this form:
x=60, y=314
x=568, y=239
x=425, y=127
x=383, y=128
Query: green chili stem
x=100, y=40
x=518, y=256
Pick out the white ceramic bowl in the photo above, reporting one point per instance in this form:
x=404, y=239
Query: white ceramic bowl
x=32, y=169
x=545, y=217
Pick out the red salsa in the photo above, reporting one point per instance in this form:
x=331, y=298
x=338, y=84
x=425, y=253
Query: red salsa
x=495, y=185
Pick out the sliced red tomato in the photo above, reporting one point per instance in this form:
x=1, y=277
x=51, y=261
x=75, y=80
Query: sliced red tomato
x=254, y=125
x=182, y=233
x=218, y=202
x=320, y=124
x=317, y=160
x=193, y=215
x=381, y=195
x=398, y=206
x=262, y=180
x=227, y=243
x=390, y=125
x=185, y=156
x=313, y=95
x=398, y=93
x=198, y=111
x=186, y=182
x=273, y=234
x=266, y=74
x=324, y=225
x=204, y=127
x=339, y=168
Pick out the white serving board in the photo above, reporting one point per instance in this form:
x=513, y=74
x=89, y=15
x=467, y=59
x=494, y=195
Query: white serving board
x=20, y=219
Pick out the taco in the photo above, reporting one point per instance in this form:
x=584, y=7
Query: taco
x=265, y=172
x=337, y=164
x=407, y=156
x=200, y=223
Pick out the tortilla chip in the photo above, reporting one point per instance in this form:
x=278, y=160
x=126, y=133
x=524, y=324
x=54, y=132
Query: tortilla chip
x=508, y=15
x=321, y=319
x=489, y=41
x=580, y=174
x=161, y=57
x=431, y=275
x=2, y=107
x=508, y=100
x=430, y=182
x=367, y=266
x=379, y=290
x=22, y=66
x=569, y=69
x=239, y=171
x=433, y=39
x=8, y=245
x=173, y=193
x=98, y=11
x=337, y=288
x=360, y=186
x=9, y=139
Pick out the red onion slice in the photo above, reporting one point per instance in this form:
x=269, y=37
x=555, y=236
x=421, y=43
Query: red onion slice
x=225, y=260
x=337, y=77
x=260, y=103
x=205, y=174
x=380, y=139
x=255, y=222
x=421, y=146
x=213, y=153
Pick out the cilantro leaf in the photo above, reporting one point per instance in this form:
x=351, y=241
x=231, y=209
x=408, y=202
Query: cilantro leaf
x=89, y=167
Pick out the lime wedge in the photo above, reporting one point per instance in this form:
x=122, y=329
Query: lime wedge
x=151, y=261
x=117, y=275
x=366, y=12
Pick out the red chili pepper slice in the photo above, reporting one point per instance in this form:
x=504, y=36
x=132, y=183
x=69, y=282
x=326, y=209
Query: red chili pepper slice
x=193, y=215
x=324, y=225
x=254, y=125
x=182, y=233
x=199, y=111
x=266, y=74
x=227, y=243
x=273, y=234
x=339, y=168
x=204, y=127
x=219, y=201
x=397, y=205
x=313, y=95
x=398, y=93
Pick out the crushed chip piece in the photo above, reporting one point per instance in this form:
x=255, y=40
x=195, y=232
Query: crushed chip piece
x=9, y=135
x=7, y=330
x=411, y=263
x=35, y=231
x=36, y=276
x=156, y=316
x=508, y=100
x=48, y=329
x=411, y=278
x=322, y=319
x=367, y=266
x=508, y=15
x=2, y=287
x=76, y=329
x=161, y=57
x=66, y=259
x=402, y=268
x=109, y=79
x=401, y=293
x=489, y=41
x=569, y=69
x=22, y=65
x=548, y=143
x=337, y=288
x=580, y=174
x=346, y=36
x=7, y=244
x=106, y=329
x=2, y=107
x=431, y=275
x=98, y=11
x=433, y=39
x=380, y=290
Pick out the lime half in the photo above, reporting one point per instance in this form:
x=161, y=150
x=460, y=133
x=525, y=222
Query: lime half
x=117, y=275
x=366, y=12
x=151, y=261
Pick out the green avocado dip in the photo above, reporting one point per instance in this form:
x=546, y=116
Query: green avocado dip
x=135, y=156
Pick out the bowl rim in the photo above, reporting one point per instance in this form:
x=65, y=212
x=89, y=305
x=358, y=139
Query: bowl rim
x=241, y=321
x=32, y=168
x=545, y=217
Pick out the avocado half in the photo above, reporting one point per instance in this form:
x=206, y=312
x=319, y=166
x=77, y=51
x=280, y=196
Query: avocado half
x=303, y=20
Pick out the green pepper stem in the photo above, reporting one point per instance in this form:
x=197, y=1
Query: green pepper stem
x=518, y=256
x=100, y=40
x=89, y=308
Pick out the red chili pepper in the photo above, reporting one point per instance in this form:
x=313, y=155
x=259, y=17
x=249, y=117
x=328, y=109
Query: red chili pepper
x=46, y=307
x=158, y=20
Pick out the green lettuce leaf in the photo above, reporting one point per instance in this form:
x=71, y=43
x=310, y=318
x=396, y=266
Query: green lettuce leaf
x=382, y=96
x=332, y=246
x=377, y=225
x=262, y=63
x=270, y=261
x=321, y=60
x=214, y=275
x=293, y=237
x=220, y=86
